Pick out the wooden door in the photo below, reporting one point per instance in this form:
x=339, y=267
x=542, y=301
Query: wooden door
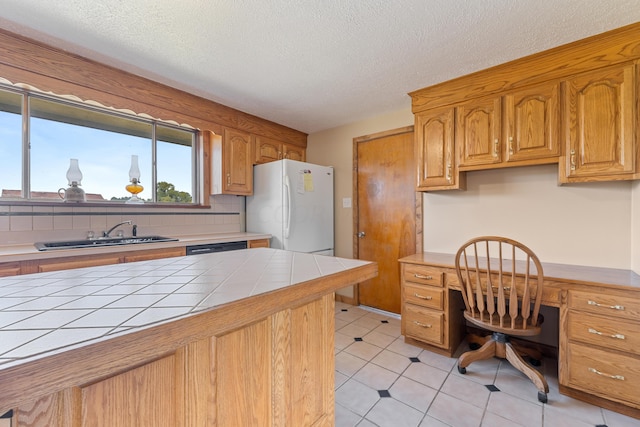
x=599, y=124
x=436, y=168
x=531, y=123
x=478, y=133
x=385, y=214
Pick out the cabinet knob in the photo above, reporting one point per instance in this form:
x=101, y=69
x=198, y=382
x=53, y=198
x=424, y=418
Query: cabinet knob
x=361, y=234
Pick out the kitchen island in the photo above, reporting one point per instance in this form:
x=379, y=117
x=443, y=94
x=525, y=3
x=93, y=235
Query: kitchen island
x=231, y=338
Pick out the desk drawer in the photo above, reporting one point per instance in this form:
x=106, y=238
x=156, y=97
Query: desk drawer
x=424, y=324
x=605, y=332
x=606, y=374
x=423, y=275
x=425, y=296
x=606, y=305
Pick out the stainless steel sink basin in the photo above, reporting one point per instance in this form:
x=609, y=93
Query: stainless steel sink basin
x=100, y=242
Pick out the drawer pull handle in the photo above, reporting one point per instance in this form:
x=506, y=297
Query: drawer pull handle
x=613, y=377
x=423, y=325
x=618, y=336
x=417, y=295
x=613, y=307
x=420, y=276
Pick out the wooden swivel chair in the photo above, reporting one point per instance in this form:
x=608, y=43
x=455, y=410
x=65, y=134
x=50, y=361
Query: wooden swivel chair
x=501, y=282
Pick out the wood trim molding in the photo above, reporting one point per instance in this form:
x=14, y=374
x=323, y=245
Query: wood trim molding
x=610, y=48
x=49, y=69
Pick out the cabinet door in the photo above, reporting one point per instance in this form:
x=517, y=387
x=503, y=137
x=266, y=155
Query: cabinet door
x=293, y=152
x=477, y=136
x=599, y=125
x=237, y=167
x=267, y=150
x=531, y=124
x=437, y=169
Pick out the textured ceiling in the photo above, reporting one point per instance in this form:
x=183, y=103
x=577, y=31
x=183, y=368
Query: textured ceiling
x=310, y=65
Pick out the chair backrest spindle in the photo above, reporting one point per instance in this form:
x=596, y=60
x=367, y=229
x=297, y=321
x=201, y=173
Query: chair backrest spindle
x=501, y=287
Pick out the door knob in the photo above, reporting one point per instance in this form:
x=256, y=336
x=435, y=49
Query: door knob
x=361, y=234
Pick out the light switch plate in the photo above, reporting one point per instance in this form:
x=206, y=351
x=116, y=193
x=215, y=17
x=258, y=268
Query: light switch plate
x=346, y=202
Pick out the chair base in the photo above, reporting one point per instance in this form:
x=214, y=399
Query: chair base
x=498, y=345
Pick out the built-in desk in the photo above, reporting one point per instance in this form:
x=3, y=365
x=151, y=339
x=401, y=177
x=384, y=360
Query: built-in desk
x=599, y=327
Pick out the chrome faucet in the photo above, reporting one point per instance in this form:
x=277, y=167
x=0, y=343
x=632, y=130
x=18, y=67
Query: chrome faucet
x=134, y=228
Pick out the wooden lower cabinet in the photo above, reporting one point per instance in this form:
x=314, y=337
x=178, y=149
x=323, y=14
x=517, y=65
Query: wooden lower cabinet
x=10, y=269
x=259, y=243
x=278, y=370
x=430, y=312
x=600, y=350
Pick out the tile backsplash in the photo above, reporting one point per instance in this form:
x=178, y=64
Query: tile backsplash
x=28, y=224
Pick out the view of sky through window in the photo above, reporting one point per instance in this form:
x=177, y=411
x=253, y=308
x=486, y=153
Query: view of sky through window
x=104, y=156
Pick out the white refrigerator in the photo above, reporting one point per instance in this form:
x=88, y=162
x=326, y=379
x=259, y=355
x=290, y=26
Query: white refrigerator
x=293, y=201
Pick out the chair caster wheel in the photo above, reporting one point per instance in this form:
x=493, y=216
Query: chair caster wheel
x=542, y=397
x=462, y=370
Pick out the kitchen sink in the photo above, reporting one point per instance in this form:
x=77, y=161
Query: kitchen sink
x=100, y=242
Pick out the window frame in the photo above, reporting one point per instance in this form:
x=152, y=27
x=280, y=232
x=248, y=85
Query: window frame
x=25, y=110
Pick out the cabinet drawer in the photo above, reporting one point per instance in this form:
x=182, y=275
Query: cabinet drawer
x=607, y=374
x=605, y=332
x=423, y=275
x=425, y=296
x=607, y=305
x=424, y=324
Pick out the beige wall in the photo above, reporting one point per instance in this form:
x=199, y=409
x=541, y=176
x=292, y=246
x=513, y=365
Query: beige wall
x=593, y=223
x=584, y=224
x=334, y=147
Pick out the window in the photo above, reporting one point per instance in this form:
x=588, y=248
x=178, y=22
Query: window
x=102, y=140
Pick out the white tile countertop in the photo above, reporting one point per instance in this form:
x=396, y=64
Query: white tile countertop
x=47, y=313
x=22, y=252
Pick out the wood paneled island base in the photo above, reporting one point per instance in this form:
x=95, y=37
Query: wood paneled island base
x=259, y=359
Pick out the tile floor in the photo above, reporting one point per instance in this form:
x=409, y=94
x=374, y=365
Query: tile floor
x=381, y=381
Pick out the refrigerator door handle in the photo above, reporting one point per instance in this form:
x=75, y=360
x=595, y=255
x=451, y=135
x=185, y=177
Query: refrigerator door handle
x=287, y=206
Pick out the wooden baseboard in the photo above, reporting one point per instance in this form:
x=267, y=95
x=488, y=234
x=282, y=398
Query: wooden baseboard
x=599, y=401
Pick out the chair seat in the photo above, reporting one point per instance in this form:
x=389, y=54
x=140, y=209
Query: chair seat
x=494, y=324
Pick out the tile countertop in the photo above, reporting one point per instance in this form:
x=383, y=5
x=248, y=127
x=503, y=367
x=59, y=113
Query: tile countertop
x=48, y=313
x=23, y=252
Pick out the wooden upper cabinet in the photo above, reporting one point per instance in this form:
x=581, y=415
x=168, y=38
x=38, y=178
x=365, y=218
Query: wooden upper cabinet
x=269, y=150
x=599, y=125
x=478, y=133
x=294, y=152
x=231, y=163
x=434, y=141
x=531, y=124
